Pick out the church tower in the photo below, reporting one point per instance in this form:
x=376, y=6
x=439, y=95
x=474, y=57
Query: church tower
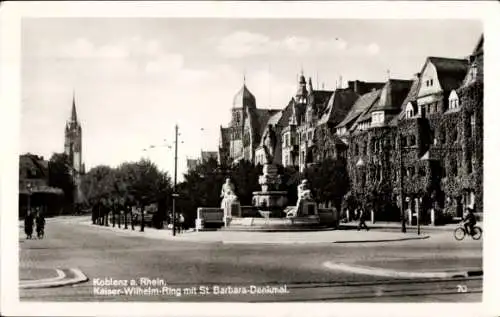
x=73, y=147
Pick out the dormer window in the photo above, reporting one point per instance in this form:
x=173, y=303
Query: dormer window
x=410, y=112
x=377, y=118
x=453, y=101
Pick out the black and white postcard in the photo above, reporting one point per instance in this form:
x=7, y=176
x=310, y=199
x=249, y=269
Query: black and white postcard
x=212, y=158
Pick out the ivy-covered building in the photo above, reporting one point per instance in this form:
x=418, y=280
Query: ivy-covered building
x=427, y=130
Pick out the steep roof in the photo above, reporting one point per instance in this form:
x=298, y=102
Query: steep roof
x=479, y=46
x=34, y=163
x=450, y=71
x=286, y=113
x=319, y=99
x=339, y=104
x=259, y=119
x=362, y=104
x=244, y=98
x=410, y=97
x=392, y=95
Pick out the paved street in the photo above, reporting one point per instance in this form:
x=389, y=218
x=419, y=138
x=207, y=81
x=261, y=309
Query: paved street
x=104, y=254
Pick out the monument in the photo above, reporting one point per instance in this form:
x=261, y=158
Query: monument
x=270, y=201
x=306, y=206
x=269, y=210
x=230, y=203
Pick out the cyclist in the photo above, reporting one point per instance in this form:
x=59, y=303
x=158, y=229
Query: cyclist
x=469, y=221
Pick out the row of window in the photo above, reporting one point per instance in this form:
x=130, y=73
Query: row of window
x=433, y=107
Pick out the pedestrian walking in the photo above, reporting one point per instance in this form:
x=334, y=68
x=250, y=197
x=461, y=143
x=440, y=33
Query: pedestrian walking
x=28, y=224
x=362, y=219
x=40, y=224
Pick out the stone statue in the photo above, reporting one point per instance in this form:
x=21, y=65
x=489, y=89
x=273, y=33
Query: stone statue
x=303, y=195
x=229, y=198
x=269, y=143
x=303, y=191
x=227, y=192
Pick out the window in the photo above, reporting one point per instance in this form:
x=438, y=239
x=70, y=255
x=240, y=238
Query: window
x=473, y=72
x=410, y=171
x=473, y=125
x=432, y=82
x=453, y=168
x=421, y=171
x=454, y=135
x=468, y=162
x=403, y=140
x=411, y=140
x=443, y=135
x=453, y=101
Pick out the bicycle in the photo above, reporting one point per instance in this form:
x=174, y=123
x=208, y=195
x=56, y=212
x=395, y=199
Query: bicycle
x=460, y=232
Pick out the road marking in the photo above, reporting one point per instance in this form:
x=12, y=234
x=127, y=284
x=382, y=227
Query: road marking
x=60, y=276
x=54, y=282
x=375, y=271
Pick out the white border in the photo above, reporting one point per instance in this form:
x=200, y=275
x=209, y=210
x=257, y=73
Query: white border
x=11, y=14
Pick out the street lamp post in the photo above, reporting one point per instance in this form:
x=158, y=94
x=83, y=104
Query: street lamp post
x=403, y=220
x=175, y=181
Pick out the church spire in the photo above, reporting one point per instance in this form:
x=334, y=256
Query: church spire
x=73, y=110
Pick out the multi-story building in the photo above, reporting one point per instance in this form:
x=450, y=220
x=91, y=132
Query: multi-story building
x=416, y=142
x=240, y=140
x=431, y=150
x=34, y=186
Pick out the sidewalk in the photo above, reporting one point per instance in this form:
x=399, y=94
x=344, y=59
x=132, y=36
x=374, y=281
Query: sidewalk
x=245, y=237
x=397, y=225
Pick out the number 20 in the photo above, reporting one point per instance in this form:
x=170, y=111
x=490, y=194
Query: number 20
x=462, y=288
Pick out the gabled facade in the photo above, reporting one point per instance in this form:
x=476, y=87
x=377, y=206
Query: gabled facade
x=241, y=139
x=423, y=136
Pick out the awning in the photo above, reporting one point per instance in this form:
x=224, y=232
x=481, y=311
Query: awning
x=42, y=190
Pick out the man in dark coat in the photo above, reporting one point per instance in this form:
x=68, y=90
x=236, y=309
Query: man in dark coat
x=28, y=224
x=362, y=219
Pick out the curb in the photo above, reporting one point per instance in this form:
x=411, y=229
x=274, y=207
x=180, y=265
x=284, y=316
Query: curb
x=374, y=271
x=243, y=242
x=384, y=240
x=57, y=281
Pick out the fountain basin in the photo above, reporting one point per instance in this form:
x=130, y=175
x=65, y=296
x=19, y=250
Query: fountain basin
x=267, y=200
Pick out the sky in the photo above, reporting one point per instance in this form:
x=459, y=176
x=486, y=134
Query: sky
x=135, y=78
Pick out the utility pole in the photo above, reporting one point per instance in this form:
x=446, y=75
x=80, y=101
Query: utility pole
x=175, y=180
x=401, y=201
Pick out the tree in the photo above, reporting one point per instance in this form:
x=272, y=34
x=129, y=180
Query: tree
x=201, y=188
x=60, y=176
x=329, y=181
x=290, y=180
x=98, y=183
x=143, y=181
x=246, y=180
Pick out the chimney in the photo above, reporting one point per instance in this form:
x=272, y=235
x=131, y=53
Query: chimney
x=350, y=85
x=357, y=87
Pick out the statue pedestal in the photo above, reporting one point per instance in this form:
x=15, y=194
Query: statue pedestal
x=270, y=199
